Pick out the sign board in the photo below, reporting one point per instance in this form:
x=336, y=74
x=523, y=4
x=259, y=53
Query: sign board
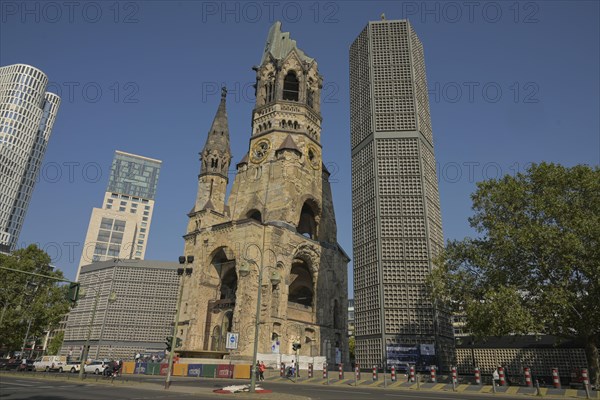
x=275, y=347
x=232, y=341
x=420, y=355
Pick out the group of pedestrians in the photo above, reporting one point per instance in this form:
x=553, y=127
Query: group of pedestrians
x=260, y=370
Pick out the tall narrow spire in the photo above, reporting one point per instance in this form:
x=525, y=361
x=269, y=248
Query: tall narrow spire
x=216, y=155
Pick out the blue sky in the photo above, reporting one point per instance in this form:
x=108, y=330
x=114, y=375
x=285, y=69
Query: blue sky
x=510, y=83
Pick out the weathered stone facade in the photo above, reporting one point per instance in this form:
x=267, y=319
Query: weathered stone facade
x=279, y=216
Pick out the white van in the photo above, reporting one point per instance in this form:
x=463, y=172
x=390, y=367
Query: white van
x=50, y=363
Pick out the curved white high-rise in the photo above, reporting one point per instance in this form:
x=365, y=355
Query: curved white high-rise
x=27, y=114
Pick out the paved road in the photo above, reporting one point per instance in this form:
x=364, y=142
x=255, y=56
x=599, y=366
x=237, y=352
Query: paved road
x=56, y=387
x=12, y=387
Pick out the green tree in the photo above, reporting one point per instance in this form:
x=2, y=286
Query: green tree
x=29, y=301
x=56, y=343
x=351, y=347
x=535, y=266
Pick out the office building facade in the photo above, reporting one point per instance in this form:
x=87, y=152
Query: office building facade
x=136, y=302
x=27, y=115
x=121, y=227
x=397, y=224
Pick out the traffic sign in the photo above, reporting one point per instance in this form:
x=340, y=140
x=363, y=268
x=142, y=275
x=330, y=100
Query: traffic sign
x=232, y=341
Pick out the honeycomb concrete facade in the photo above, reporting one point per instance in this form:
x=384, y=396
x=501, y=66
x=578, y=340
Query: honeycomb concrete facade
x=397, y=224
x=278, y=216
x=139, y=318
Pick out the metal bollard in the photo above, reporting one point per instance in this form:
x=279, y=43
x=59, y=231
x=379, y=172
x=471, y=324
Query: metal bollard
x=501, y=377
x=411, y=376
x=433, y=379
x=527, y=372
x=477, y=376
x=374, y=372
x=357, y=371
x=341, y=371
x=310, y=371
x=324, y=370
x=393, y=376
x=454, y=379
x=586, y=382
x=282, y=370
x=555, y=378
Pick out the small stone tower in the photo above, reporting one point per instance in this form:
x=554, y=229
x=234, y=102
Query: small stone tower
x=215, y=159
x=278, y=219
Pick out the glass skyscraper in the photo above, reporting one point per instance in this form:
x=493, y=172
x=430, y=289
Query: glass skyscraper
x=396, y=217
x=27, y=115
x=120, y=229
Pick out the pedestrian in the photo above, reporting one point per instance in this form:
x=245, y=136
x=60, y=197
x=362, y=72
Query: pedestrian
x=257, y=370
x=261, y=371
x=495, y=377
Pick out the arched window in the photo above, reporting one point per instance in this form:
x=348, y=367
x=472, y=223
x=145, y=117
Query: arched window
x=214, y=163
x=307, y=224
x=309, y=97
x=216, y=339
x=301, y=288
x=269, y=92
x=224, y=271
x=291, y=87
x=254, y=214
x=228, y=284
x=337, y=317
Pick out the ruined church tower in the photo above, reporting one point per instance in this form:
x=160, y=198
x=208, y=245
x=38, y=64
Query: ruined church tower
x=278, y=219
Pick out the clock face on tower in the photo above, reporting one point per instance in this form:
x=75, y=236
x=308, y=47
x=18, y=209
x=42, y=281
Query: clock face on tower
x=260, y=150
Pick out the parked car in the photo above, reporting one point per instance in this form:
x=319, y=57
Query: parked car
x=72, y=367
x=50, y=363
x=17, y=364
x=96, y=367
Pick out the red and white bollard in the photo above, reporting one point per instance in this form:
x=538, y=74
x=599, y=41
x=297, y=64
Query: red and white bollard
x=585, y=377
x=528, y=382
x=433, y=379
x=310, y=370
x=324, y=370
x=393, y=374
x=501, y=377
x=341, y=371
x=374, y=372
x=477, y=376
x=454, y=380
x=357, y=371
x=555, y=378
x=282, y=370
x=412, y=373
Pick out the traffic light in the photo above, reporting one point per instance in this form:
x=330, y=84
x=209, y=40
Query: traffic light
x=73, y=294
x=168, y=342
x=296, y=346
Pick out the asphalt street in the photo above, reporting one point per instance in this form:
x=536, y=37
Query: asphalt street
x=55, y=387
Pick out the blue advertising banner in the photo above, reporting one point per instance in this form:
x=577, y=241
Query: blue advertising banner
x=194, y=370
x=140, y=368
x=402, y=355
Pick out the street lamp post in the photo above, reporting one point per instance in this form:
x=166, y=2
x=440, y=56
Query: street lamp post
x=85, y=351
x=275, y=279
x=181, y=272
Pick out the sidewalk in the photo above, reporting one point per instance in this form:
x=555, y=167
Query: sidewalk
x=349, y=380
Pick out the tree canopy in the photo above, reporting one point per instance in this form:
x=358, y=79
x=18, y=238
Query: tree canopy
x=29, y=301
x=535, y=265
